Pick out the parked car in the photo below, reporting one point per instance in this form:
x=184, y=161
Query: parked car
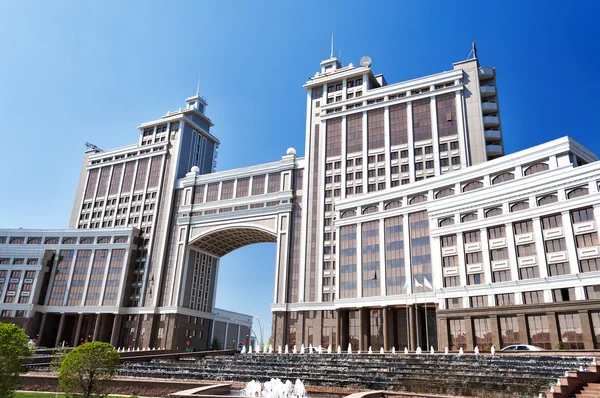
x=522, y=347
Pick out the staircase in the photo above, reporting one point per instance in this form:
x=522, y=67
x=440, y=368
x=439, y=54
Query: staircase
x=469, y=375
x=590, y=390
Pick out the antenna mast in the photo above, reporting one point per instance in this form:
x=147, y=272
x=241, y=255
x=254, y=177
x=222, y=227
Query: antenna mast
x=331, y=54
x=93, y=147
x=198, y=89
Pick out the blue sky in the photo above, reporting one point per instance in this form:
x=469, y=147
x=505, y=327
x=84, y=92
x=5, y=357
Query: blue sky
x=72, y=72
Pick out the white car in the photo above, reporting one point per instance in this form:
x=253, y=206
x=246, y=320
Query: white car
x=522, y=347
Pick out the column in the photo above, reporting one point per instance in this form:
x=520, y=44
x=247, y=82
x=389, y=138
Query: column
x=539, y=247
x=411, y=328
x=359, y=276
x=485, y=251
x=469, y=333
x=61, y=326
x=523, y=331
x=460, y=248
x=495, y=329
x=586, y=330
x=382, y=268
x=512, y=252
x=344, y=157
x=387, y=145
x=300, y=329
x=570, y=242
x=42, y=325
x=443, y=333
x=411, y=141
x=435, y=135
x=97, y=327
x=78, y=330
x=116, y=328
x=365, y=329
x=553, y=329
x=386, y=321
x=365, y=151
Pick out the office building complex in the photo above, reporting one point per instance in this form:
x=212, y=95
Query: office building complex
x=404, y=225
x=109, y=277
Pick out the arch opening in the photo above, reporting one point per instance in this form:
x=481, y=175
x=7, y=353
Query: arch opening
x=228, y=239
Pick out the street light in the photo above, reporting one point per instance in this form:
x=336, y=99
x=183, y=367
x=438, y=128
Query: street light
x=261, y=331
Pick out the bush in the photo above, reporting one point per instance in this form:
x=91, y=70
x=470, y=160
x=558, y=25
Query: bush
x=215, y=344
x=86, y=369
x=14, y=348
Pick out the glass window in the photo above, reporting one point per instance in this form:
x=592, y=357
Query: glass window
x=503, y=178
x=354, y=133
x=539, y=333
x=422, y=119
x=333, y=137
x=582, y=215
x=523, y=227
x=471, y=186
x=509, y=331
x=570, y=331
x=536, y=168
x=458, y=335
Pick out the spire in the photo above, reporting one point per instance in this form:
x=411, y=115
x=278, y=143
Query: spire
x=198, y=89
x=331, y=55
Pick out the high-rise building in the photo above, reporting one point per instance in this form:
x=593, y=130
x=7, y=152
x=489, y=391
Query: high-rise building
x=110, y=276
x=405, y=225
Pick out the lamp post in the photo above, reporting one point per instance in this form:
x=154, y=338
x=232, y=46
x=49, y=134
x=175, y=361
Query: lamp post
x=261, y=332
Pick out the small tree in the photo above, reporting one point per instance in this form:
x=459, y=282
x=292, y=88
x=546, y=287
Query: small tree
x=14, y=348
x=215, y=344
x=87, y=368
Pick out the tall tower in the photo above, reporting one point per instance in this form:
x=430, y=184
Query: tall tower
x=134, y=186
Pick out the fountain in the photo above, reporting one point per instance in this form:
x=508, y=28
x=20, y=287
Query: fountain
x=279, y=349
x=329, y=349
x=286, y=349
x=257, y=348
x=493, y=351
x=370, y=350
x=405, y=350
x=265, y=349
x=275, y=388
x=381, y=351
x=243, y=350
x=393, y=350
x=431, y=350
x=302, y=348
x=339, y=350
x=310, y=348
x=250, y=350
x=461, y=351
x=419, y=351
x=349, y=348
x=476, y=350
x=446, y=351
x=270, y=348
x=358, y=352
x=294, y=351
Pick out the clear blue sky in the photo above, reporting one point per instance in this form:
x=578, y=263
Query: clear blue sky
x=77, y=71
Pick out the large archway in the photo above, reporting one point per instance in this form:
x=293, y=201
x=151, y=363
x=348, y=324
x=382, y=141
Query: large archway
x=222, y=240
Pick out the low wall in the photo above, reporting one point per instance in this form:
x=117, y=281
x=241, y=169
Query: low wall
x=141, y=387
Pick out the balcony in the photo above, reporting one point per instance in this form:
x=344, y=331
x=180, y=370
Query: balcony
x=488, y=91
x=491, y=121
x=489, y=107
x=486, y=72
x=494, y=151
x=492, y=136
